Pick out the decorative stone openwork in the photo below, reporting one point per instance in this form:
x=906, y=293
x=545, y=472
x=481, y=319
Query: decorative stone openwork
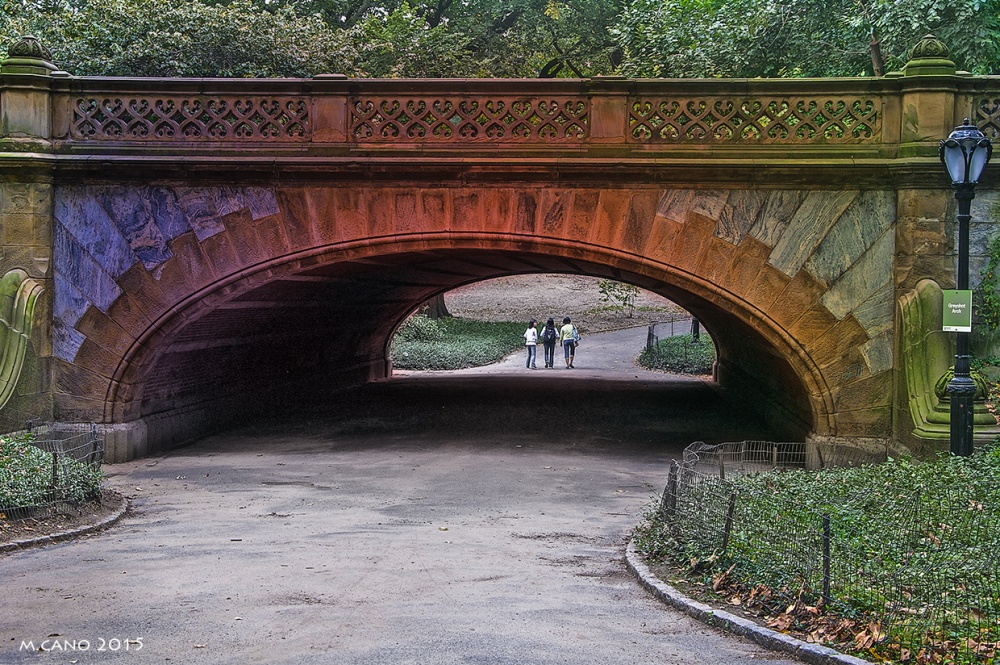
x=987, y=116
x=775, y=120
x=557, y=119
x=191, y=119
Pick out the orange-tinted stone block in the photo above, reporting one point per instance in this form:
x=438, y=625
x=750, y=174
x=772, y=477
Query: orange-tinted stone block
x=750, y=256
x=766, y=287
x=840, y=346
x=611, y=215
x=103, y=331
x=799, y=295
x=296, y=220
x=716, y=259
x=639, y=222
x=583, y=215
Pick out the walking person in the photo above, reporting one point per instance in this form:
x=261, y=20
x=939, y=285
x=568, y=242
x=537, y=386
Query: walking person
x=568, y=337
x=531, y=341
x=550, y=335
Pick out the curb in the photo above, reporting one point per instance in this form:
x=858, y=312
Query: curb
x=68, y=534
x=770, y=639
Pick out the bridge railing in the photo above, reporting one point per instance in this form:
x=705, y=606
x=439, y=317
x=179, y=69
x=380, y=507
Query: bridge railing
x=332, y=115
x=857, y=116
x=636, y=115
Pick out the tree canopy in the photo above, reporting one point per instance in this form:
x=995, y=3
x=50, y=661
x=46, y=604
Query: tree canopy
x=500, y=38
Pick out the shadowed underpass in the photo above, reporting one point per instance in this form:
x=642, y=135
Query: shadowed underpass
x=447, y=518
x=638, y=414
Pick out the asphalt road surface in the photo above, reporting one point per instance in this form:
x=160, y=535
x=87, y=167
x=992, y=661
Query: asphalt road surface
x=465, y=517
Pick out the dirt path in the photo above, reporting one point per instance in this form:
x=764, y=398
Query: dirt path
x=522, y=297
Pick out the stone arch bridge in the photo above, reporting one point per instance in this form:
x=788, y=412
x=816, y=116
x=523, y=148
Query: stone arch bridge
x=179, y=252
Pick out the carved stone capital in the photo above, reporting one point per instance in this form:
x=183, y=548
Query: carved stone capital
x=27, y=56
x=929, y=57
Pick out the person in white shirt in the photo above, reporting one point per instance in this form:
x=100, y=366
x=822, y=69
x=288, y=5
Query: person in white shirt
x=531, y=341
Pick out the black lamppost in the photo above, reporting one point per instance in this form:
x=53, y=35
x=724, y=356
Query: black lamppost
x=964, y=154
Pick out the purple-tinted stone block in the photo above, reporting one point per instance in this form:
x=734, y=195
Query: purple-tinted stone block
x=201, y=208
x=83, y=218
x=167, y=212
x=129, y=209
x=80, y=268
x=261, y=201
x=68, y=305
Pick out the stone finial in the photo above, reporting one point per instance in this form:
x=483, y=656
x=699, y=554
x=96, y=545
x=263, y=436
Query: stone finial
x=929, y=47
x=929, y=57
x=29, y=47
x=27, y=56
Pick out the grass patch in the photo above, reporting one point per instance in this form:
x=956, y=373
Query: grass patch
x=680, y=354
x=453, y=343
x=26, y=476
x=913, y=554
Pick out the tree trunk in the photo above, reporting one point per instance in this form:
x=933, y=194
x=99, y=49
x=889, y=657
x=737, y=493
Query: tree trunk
x=435, y=308
x=878, y=62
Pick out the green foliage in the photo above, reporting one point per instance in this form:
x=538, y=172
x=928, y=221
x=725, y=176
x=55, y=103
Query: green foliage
x=26, y=476
x=792, y=38
x=986, y=296
x=680, y=354
x=420, y=328
x=619, y=296
x=179, y=38
x=498, y=38
x=300, y=38
x=453, y=343
x=914, y=538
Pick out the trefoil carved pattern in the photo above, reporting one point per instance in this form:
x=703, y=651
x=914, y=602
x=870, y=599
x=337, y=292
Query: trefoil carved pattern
x=775, y=120
x=987, y=114
x=191, y=119
x=463, y=119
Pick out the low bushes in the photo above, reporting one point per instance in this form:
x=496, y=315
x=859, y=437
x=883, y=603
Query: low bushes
x=680, y=354
x=908, y=553
x=26, y=475
x=453, y=343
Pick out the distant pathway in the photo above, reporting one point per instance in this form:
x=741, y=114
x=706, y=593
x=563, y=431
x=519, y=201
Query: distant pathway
x=607, y=356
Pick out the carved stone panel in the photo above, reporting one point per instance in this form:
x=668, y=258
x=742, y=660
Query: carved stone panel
x=191, y=119
x=466, y=119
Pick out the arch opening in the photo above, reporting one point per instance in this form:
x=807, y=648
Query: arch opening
x=309, y=327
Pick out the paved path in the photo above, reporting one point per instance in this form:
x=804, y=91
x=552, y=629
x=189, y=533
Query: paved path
x=440, y=519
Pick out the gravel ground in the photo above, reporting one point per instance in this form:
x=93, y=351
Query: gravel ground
x=522, y=297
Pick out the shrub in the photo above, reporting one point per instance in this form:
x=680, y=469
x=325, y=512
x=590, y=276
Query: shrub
x=26, y=476
x=453, y=343
x=908, y=547
x=419, y=328
x=680, y=354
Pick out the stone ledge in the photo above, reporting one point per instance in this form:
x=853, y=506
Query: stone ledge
x=69, y=533
x=770, y=639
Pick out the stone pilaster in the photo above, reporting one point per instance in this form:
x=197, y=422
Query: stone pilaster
x=26, y=201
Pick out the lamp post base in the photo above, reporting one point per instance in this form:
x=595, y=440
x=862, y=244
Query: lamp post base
x=961, y=391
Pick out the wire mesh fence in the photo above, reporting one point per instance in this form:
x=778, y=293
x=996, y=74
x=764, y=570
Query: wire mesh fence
x=44, y=469
x=675, y=324
x=909, y=573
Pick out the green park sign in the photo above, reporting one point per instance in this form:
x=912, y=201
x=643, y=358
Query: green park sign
x=957, y=314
